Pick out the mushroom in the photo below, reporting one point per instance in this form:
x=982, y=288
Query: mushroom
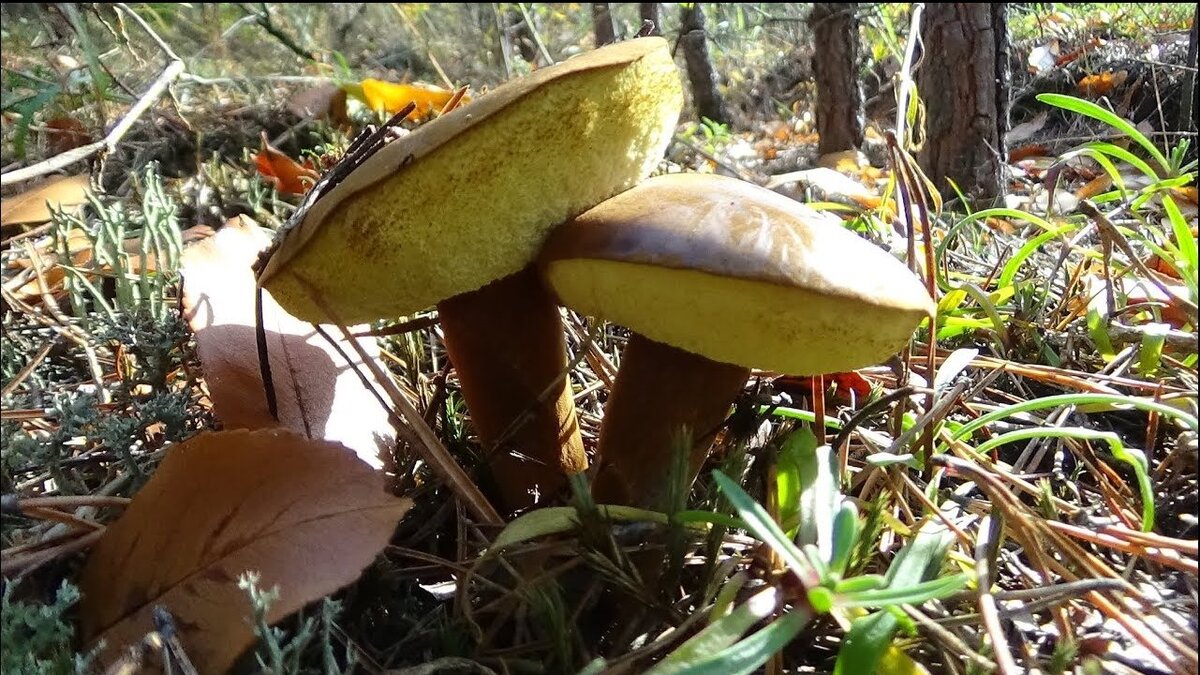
x=454, y=213
x=716, y=276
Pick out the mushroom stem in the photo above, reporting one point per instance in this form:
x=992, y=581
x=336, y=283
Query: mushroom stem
x=660, y=390
x=506, y=343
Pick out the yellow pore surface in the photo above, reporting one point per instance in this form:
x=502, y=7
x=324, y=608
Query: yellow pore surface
x=748, y=323
x=736, y=273
x=478, y=206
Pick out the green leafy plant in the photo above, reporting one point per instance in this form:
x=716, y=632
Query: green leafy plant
x=37, y=638
x=827, y=533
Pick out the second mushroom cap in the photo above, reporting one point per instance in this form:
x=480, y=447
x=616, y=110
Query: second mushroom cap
x=737, y=273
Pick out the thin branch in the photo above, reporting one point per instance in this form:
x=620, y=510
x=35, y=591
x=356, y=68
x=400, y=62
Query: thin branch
x=109, y=142
x=263, y=19
x=905, y=74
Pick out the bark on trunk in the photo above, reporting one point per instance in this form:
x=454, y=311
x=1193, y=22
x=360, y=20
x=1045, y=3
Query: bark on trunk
x=651, y=13
x=602, y=22
x=1189, y=102
x=964, y=81
x=835, y=67
x=706, y=99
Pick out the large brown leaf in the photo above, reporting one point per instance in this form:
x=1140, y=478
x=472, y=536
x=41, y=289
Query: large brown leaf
x=307, y=515
x=64, y=193
x=318, y=394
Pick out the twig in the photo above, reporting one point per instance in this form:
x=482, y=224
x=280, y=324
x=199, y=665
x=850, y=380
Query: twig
x=1176, y=339
x=537, y=39
x=905, y=74
x=988, y=611
x=109, y=142
x=68, y=501
x=263, y=19
x=1110, y=231
x=52, y=309
x=416, y=432
x=11, y=386
x=166, y=48
x=11, y=567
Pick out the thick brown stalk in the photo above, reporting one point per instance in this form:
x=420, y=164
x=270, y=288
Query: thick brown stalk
x=506, y=343
x=659, y=392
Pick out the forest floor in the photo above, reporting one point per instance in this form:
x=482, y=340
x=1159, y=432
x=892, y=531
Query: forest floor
x=1017, y=491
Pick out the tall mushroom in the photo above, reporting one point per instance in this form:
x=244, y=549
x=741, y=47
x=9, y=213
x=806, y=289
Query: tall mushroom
x=454, y=213
x=716, y=276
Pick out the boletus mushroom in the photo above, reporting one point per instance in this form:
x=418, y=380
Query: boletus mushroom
x=454, y=213
x=715, y=276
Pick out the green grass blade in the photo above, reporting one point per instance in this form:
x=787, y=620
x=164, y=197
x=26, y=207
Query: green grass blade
x=1014, y=264
x=718, y=635
x=908, y=595
x=864, y=644
x=746, y=656
x=1136, y=459
x=762, y=526
x=1089, y=109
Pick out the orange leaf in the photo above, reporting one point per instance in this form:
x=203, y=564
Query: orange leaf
x=846, y=383
x=1026, y=151
x=1187, y=194
x=306, y=515
x=1002, y=225
x=318, y=394
x=391, y=97
x=1075, y=54
x=846, y=161
x=64, y=193
x=1095, y=86
x=1094, y=187
x=283, y=171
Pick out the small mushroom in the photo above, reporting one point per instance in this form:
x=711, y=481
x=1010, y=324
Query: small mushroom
x=716, y=276
x=454, y=213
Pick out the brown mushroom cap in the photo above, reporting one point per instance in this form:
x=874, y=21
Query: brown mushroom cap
x=737, y=273
x=469, y=197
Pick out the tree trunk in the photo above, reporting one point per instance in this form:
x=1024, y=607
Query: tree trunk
x=964, y=80
x=602, y=22
x=1189, y=102
x=651, y=13
x=706, y=99
x=835, y=67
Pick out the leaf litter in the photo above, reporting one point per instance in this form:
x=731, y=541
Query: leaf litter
x=1070, y=564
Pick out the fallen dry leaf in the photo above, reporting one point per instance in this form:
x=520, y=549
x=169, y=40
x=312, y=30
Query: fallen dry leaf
x=391, y=97
x=846, y=161
x=1094, y=186
x=1100, y=84
x=1025, y=152
x=844, y=385
x=81, y=252
x=1187, y=194
x=306, y=515
x=63, y=193
x=1140, y=291
x=65, y=133
x=832, y=186
x=326, y=102
x=1074, y=54
x=319, y=395
x=1002, y=225
x=285, y=173
x=1025, y=130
